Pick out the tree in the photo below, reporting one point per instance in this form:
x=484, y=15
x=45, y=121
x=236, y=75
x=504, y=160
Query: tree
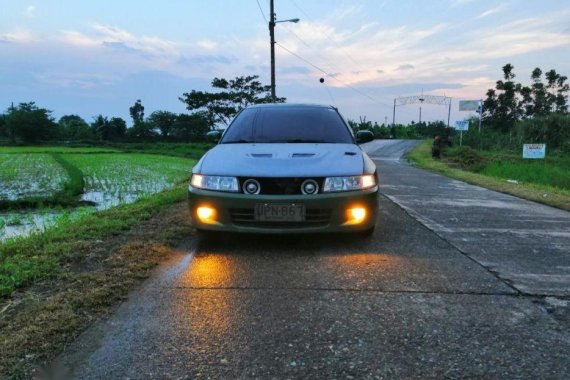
x=30, y=123
x=192, y=127
x=164, y=121
x=502, y=107
x=3, y=131
x=137, y=112
x=510, y=101
x=118, y=128
x=142, y=130
x=540, y=98
x=101, y=127
x=235, y=95
x=557, y=89
x=75, y=128
x=109, y=130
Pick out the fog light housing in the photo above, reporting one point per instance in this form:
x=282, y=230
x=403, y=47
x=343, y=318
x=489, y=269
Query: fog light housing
x=355, y=215
x=206, y=214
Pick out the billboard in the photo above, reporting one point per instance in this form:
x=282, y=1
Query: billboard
x=534, y=150
x=462, y=125
x=469, y=105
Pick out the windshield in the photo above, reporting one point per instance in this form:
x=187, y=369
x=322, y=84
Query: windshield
x=288, y=125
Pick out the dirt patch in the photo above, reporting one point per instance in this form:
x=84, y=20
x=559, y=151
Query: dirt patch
x=36, y=325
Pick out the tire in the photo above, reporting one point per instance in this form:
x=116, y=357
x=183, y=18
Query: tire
x=368, y=232
x=206, y=235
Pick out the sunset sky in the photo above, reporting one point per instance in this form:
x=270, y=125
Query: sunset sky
x=98, y=57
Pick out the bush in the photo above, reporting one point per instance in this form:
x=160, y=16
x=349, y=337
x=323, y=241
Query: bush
x=552, y=130
x=467, y=157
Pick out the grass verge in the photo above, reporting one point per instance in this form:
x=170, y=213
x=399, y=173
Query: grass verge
x=74, y=187
x=549, y=195
x=57, y=283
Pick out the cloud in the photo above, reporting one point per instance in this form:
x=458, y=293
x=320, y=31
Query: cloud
x=459, y=3
x=406, y=66
x=492, y=11
x=110, y=36
x=207, y=59
x=380, y=71
x=17, y=37
x=207, y=44
x=295, y=70
x=30, y=11
x=120, y=46
x=76, y=38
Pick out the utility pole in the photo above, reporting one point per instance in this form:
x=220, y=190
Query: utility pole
x=394, y=114
x=449, y=113
x=480, y=111
x=422, y=99
x=272, y=43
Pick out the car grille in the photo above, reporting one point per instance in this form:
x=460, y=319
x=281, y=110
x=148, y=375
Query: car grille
x=280, y=186
x=313, y=218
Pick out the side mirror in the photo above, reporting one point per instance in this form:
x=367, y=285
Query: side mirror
x=364, y=136
x=214, y=136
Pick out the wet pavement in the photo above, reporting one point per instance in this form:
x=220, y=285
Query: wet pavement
x=419, y=299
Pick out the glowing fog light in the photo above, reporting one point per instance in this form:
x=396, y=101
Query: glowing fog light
x=206, y=214
x=356, y=215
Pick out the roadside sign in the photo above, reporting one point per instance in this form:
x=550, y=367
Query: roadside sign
x=534, y=150
x=462, y=125
x=469, y=105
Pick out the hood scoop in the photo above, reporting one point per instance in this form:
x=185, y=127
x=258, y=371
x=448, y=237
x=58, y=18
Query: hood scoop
x=261, y=155
x=300, y=155
x=350, y=153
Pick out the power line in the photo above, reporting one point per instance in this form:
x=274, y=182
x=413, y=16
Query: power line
x=331, y=76
x=261, y=10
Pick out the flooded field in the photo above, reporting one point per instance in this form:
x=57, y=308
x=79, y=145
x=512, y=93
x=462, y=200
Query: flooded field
x=109, y=179
x=30, y=175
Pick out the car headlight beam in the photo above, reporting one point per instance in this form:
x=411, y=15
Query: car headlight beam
x=214, y=182
x=349, y=183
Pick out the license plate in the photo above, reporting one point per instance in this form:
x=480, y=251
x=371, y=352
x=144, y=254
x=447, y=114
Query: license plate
x=279, y=212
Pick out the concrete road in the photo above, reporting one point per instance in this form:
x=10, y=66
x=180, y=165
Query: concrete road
x=457, y=282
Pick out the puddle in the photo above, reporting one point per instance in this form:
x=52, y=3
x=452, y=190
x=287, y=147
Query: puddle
x=14, y=224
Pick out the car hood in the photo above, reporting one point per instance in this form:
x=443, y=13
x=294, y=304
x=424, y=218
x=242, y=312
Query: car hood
x=282, y=160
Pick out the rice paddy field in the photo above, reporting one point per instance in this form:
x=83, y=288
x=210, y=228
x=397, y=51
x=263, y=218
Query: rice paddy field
x=30, y=175
x=106, y=178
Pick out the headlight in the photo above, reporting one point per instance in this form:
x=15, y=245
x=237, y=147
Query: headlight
x=359, y=182
x=214, y=182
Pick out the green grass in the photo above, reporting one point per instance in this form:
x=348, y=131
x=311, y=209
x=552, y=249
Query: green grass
x=74, y=187
x=554, y=171
x=543, y=192
x=26, y=260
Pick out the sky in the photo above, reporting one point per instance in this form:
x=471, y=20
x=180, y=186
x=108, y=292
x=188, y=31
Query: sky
x=98, y=57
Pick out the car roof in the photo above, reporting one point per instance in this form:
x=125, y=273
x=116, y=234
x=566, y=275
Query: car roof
x=290, y=105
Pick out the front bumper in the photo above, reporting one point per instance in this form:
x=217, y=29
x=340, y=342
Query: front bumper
x=325, y=212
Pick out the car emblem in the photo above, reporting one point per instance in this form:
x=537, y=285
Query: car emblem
x=309, y=187
x=251, y=186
